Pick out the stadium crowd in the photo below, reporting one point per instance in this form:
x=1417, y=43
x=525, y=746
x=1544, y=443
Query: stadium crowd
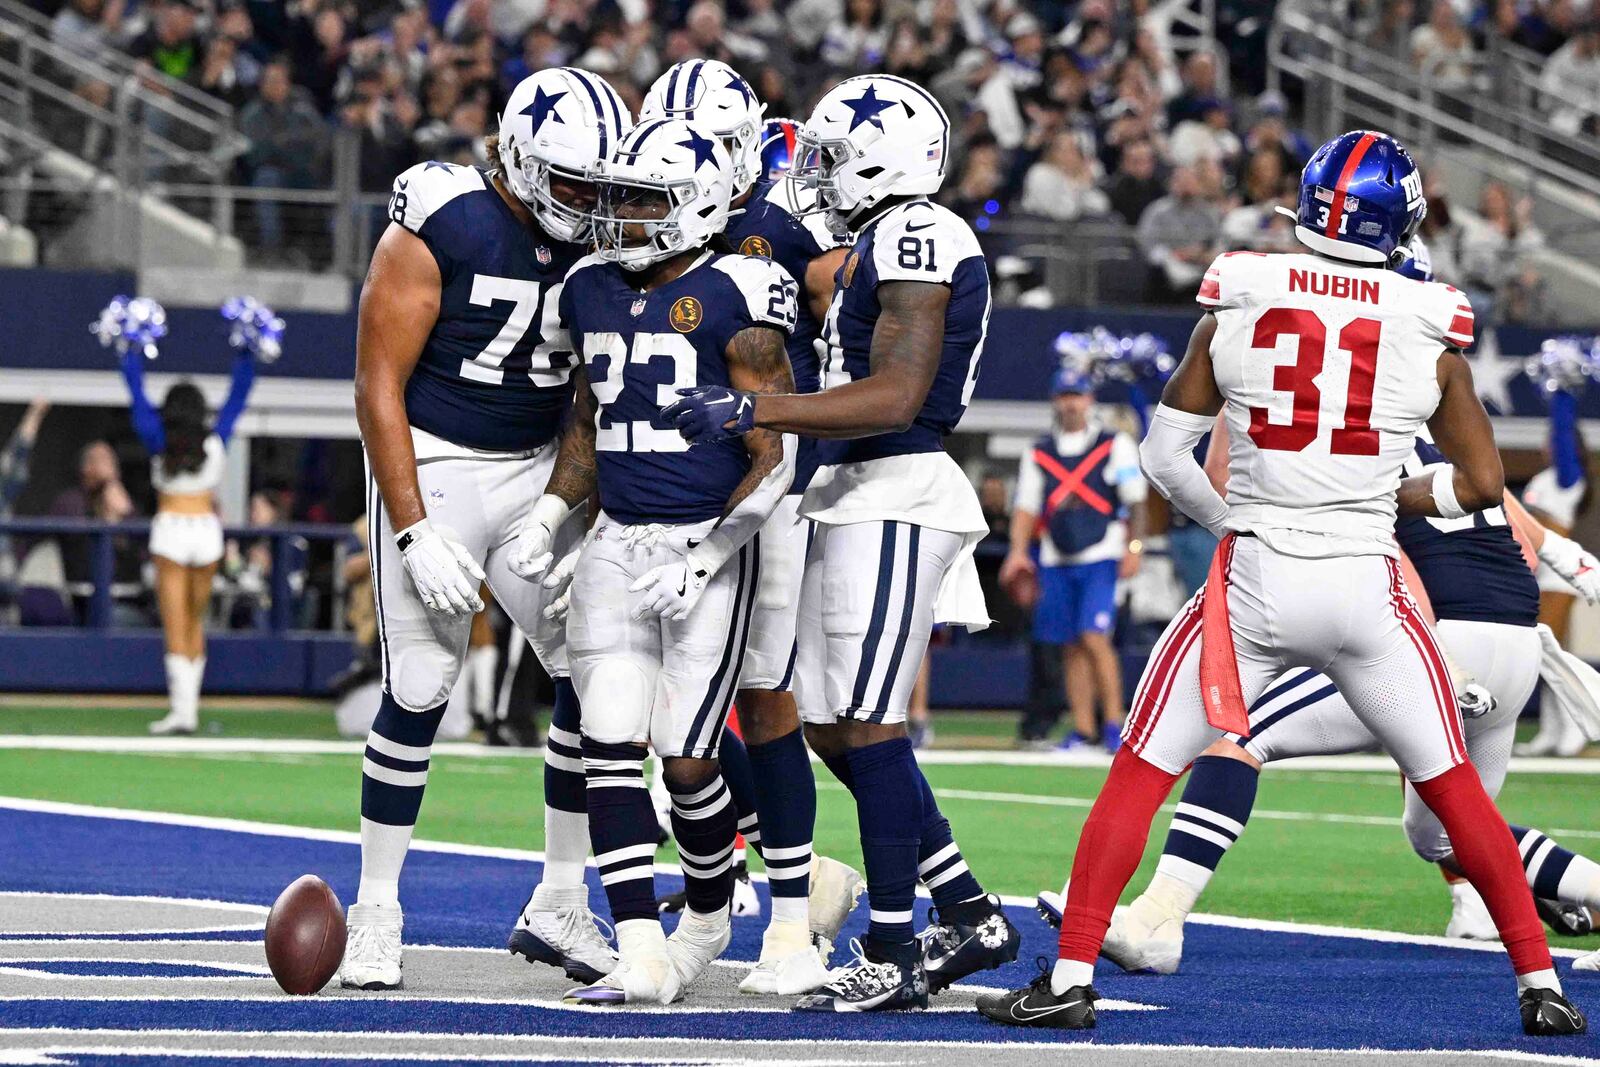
x=1098, y=111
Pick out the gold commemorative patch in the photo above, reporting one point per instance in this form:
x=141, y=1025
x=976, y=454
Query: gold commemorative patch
x=686, y=314
x=849, y=271
x=756, y=245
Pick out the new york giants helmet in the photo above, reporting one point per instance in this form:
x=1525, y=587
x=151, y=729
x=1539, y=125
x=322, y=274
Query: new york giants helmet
x=869, y=138
x=1418, y=263
x=1360, y=199
x=712, y=95
x=665, y=190
x=563, y=122
x=778, y=148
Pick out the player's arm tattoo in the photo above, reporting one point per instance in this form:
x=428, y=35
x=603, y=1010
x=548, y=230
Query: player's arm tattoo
x=758, y=362
x=907, y=344
x=574, y=477
x=1462, y=430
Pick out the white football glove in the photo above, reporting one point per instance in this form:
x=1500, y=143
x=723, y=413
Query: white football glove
x=445, y=574
x=532, y=555
x=1579, y=568
x=558, y=583
x=672, y=589
x=1474, y=701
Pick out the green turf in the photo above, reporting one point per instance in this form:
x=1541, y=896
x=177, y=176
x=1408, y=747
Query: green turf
x=133, y=720
x=1310, y=871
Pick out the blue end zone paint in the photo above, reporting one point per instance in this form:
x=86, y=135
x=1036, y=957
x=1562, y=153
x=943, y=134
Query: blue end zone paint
x=1238, y=987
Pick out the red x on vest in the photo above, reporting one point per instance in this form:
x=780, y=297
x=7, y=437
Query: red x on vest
x=1072, y=481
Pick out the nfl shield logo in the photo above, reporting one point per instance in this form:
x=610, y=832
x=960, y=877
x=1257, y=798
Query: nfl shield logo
x=542, y=254
x=638, y=307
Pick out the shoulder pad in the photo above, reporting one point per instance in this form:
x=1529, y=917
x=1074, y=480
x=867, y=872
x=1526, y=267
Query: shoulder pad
x=1227, y=281
x=767, y=292
x=921, y=242
x=427, y=187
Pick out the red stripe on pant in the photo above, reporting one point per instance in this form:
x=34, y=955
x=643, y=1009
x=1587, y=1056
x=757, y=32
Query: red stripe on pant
x=1109, y=850
x=1433, y=660
x=1157, y=683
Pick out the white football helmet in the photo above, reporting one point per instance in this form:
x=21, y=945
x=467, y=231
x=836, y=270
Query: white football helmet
x=665, y=190
x=869, y=138
x=561, y=121
x=712, y=95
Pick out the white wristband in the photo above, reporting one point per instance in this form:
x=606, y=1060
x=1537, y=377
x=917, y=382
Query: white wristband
x=1444, y=493
x=550, y=510
x=411, y=534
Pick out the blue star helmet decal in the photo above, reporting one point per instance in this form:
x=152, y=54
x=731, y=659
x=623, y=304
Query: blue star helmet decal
x=434, y=163
x=703, y=148
x=867, y=107
x=744, y=88
x=543, y=107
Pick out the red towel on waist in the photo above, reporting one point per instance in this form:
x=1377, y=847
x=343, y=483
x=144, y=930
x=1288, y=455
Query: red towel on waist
x=1219, y=666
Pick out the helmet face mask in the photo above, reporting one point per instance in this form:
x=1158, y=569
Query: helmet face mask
x=666, y=192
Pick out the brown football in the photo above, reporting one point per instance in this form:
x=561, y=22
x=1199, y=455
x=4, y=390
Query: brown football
x=1023, y=589
x=305, y=936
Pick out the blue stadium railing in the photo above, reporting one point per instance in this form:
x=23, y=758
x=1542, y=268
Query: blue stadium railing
x=102, y=556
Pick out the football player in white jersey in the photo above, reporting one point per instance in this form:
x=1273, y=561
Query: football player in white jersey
x=1327, y=365
x=770, y=764
x=462, y=366
x=896, y=519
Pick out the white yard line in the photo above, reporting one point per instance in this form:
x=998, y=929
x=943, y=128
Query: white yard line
x=195, y=746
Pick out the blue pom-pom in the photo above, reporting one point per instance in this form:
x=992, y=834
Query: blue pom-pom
x=256, y=328
x=131, y=323
x=1564, y=364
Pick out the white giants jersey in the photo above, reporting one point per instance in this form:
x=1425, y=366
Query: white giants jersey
x=1328, y=371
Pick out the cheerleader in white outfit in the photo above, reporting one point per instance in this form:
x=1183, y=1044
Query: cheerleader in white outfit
x=188, y=454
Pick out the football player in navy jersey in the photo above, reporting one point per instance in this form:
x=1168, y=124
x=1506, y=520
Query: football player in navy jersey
x=462, y=384
x=896, y=519
x=775, y=767
x=664, y=588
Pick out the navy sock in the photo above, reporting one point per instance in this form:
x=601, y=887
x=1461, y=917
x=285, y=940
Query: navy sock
x=704, y=823
x=1210, y=817
x=395, y=769
x=787, y=799
x=622, y=827
x=840, y=766
x=889, y=811
x=563, y=753
x=1543, y=860
x=741, y=779
x=940, y=864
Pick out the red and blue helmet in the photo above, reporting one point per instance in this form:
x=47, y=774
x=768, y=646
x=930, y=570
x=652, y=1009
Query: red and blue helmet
x=777, y=148
x=1360, y=199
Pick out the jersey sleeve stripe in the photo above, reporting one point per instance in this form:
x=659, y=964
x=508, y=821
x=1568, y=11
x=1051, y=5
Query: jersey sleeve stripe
x=1210, y=291
x=1460, y=330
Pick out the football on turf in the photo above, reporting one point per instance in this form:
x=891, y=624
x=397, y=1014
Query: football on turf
x=305, y=936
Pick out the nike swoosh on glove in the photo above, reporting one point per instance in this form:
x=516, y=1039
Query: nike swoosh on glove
x=444, y=572
x=670, y=590
x=711, y=413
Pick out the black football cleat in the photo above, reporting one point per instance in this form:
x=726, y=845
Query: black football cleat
x=970, y=937
x=1546, y=1013
x=1568, y=920
x=1036, y=1005
x=868, y=983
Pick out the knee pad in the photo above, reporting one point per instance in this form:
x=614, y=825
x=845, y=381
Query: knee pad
x=615, y=696
x=422, y=678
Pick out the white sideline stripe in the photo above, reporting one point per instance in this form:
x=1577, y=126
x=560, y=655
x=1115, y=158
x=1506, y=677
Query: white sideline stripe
x=191, y=746
x=122, y=898
x=347, y=837
x=730, y=1044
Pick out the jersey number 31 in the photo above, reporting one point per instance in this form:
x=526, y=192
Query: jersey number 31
x=1359, y=338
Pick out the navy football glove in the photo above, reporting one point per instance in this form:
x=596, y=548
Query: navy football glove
x=712, y=413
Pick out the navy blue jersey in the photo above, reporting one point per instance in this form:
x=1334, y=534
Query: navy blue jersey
x=766, y=227
x=917, y=241
x=638, y=349
x=1472, y=567
x=493, y=374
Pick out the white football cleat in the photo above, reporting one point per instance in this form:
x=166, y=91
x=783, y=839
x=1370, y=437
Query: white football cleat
x=835, y=888
x=1469, y=915
x=174, y=725
x=557, y=927
x=697, y=941
x=746, y=903
x=789, y=963
x=1591, y=962
x=644, y=974
x=1145, y=937
x=372, y=947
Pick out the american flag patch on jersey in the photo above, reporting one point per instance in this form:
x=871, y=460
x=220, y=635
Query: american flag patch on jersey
x=935, y=152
